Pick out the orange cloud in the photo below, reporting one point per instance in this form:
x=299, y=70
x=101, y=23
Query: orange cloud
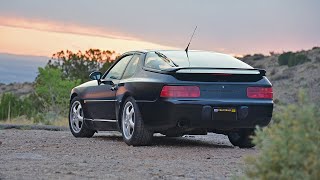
x=35, y=37
x=52, y=26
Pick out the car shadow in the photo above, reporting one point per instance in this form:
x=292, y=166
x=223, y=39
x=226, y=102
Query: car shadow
x=162, y=141
x=187, y=142
x=107, y=137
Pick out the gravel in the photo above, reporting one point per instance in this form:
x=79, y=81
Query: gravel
x=40, y=154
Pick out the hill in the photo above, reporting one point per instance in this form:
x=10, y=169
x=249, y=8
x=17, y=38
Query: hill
x=19, y=89
x=288, y=80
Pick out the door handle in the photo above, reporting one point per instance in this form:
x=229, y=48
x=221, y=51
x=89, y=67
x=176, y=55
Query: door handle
x=114, y=88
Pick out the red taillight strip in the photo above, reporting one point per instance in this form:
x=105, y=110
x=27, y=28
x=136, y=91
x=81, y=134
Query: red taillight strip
x=260, y=92
x=180, y=91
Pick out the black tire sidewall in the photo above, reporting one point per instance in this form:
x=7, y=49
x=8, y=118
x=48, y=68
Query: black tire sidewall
x=244, y=140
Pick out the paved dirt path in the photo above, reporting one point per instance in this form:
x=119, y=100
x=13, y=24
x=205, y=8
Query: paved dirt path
x=39, y=154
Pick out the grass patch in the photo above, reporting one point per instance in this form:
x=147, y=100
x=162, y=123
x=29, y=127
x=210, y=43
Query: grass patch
x=22, y=120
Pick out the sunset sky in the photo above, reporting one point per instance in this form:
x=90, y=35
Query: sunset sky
x=42, y=27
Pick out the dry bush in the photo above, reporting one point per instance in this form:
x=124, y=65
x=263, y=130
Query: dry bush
x=290, y=147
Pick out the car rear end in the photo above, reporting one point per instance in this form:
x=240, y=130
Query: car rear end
x=212, y=91
x=218, y=101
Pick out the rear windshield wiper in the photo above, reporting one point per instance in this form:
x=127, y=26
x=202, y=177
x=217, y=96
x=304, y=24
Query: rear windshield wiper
x=165, y=58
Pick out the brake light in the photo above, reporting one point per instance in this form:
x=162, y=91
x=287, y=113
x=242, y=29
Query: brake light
x=260, y=92
x=180, y=91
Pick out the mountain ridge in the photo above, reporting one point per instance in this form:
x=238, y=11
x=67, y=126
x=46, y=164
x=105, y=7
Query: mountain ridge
x=20, y=68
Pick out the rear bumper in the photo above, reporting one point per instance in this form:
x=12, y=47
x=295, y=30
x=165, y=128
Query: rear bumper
x=164, y=114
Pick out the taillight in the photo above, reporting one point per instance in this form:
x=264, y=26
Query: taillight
x=180, y=91
x=260, y=92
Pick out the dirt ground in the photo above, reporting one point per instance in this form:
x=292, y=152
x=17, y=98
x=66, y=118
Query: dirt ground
x=39, y=154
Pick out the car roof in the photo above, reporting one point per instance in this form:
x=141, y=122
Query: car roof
x=164, y=50
x=223, y=55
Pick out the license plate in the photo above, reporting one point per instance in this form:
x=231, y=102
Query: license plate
x=224, y=114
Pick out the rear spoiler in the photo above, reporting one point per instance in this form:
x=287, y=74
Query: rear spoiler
x=175, y=69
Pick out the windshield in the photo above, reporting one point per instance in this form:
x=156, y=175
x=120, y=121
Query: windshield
x=166, y=59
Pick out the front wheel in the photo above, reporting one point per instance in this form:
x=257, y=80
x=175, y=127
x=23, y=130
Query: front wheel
x=132, y=126
x=242, y=138
x=76, y=120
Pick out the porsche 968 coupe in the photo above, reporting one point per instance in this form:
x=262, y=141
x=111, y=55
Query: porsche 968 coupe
x=173, y=93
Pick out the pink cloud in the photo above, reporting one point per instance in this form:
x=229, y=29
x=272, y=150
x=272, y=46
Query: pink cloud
x=52, y=26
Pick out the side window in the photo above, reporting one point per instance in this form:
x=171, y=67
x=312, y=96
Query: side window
x=117, y=70
x=131, y=69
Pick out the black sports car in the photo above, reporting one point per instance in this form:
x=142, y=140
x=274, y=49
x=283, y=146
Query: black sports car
x=174, y=93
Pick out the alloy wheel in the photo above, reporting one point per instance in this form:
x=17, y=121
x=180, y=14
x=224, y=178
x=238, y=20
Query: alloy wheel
x=128, y=120
x=76, y=117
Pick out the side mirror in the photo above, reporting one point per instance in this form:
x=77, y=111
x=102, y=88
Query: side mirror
x=96, y=75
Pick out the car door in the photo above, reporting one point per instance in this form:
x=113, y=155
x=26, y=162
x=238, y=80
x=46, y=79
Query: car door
x=102, y=105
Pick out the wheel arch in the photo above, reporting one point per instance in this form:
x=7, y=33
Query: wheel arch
x=73, y=95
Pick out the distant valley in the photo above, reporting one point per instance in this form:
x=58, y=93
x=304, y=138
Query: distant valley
x=20, y=68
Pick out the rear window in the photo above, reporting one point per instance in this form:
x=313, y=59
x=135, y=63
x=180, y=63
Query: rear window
x=165, y=59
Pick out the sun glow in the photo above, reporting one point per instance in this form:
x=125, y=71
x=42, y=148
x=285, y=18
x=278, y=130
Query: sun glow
x=20, y=36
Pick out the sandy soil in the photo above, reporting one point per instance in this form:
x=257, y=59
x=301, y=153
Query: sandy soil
x=39, y=154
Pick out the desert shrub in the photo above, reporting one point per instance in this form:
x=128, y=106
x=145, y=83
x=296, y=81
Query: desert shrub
x=259, y=66
x=273, y=71
x=283, y=59
x=298, y=59
x=272, y=53
x=290, y=147
x=276, y=101
x=292, y=59
x=280, y=76
x=257, y=56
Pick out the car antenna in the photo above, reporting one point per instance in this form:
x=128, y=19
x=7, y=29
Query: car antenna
x=189, y=44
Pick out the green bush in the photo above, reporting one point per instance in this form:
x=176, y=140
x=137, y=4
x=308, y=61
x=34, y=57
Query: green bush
x=54, y=91
x=298, y=59
x=78, y=65
x=258, y=57
x=12, y=106
x=283, y=59
x=290, y=147
x=292, y=59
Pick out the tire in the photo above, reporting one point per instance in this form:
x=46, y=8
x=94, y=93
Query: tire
x=242, y=138
x=76, y=121
x=132, y=127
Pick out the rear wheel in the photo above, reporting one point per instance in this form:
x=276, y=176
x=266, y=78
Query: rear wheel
x=242, y=138
x=76, y=120
x=132, y=126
